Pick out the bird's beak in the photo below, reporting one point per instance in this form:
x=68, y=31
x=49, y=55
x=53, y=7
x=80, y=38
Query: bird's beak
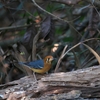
x=53, y=59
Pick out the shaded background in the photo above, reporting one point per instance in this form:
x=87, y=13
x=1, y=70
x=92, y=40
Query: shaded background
x=28, y=33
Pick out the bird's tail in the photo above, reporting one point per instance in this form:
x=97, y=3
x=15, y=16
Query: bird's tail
x=21, y=63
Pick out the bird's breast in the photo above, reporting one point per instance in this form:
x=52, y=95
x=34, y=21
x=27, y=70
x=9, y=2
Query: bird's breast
x=45, y=69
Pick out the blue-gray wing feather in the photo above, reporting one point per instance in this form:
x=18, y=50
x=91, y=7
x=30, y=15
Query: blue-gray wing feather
x=38, y=64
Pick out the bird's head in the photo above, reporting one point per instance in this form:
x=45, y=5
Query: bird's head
x=48, y=59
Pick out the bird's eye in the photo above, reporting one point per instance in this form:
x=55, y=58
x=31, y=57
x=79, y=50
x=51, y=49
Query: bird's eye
x=48, y=60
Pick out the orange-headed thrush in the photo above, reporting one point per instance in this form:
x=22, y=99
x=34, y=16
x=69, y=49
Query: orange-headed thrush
x=40, y=66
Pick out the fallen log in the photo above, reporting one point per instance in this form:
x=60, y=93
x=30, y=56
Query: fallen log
x=82, y=83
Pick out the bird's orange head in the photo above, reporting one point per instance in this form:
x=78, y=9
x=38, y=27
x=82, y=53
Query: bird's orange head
x=48, y=59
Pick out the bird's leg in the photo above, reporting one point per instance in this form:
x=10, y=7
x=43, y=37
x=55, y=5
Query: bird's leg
x=34, y=76
x=47, y=73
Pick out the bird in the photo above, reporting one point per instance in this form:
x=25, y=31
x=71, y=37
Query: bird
x=40, y=66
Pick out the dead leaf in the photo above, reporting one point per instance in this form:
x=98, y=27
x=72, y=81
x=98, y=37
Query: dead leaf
x=48, y=29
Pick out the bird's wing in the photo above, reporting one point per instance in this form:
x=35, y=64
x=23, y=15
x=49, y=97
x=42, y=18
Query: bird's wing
x=38, y=64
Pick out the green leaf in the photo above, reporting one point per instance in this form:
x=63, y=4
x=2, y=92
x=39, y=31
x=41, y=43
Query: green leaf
x=21, y=33
x=68, y=39
x=59, y=31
